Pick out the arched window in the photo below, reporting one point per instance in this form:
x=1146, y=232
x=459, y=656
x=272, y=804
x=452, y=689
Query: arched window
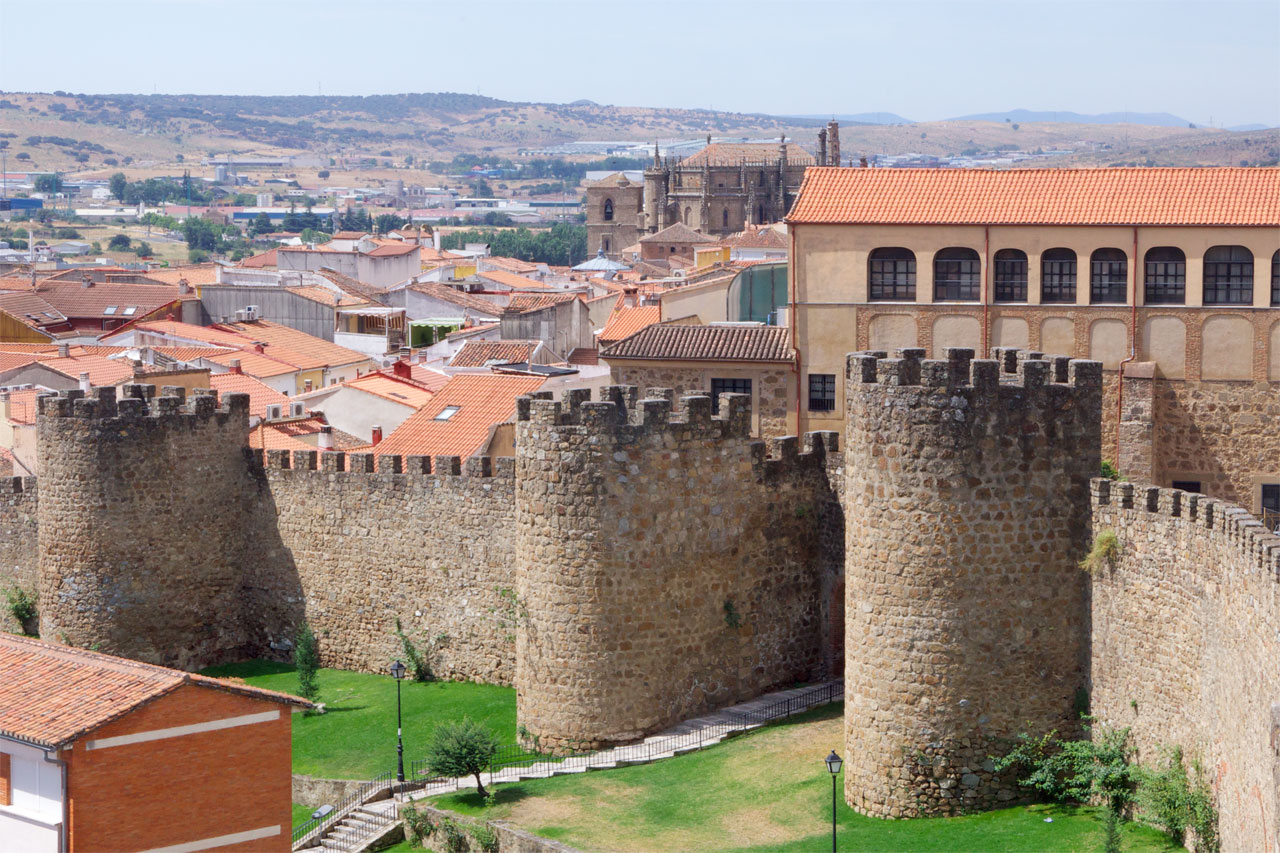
x=1275, y=278
x=759, y=214
x=760, y=180
x=1164, y=280
x=892, y=274
x=724, y=218
x=608, y=210
x=957, y=275
x=1108, y=277
x=1058, y=276
x=1228, y=276
x=686, y=216
x=1011, y=275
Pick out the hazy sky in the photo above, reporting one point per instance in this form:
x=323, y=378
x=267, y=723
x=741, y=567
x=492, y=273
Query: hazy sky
x=1216, y=59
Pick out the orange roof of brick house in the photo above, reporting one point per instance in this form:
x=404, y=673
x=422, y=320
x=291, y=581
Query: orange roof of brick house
x=679, y=342
x=735, y=153
x=102, y=371
x=627, y=321
x=280, y=342
x=260, y=394
x=1165, y=196
x=13, y=360
x=397, y=389
x=485, y=353
x=51, y=695
x=394, y=250
x=324, y=295
x=460, y=417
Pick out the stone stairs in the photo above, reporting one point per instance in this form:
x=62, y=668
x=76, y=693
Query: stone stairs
x=361, y=827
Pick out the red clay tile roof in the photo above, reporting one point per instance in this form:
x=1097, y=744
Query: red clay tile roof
x=324, y=295
x=734, y=153
x=303, y=351
x=75, y=300
x=1172, y=196
x=678, y=233
x=260, y=395
x=393, y=251
x=756, y=237
x=484, y=353
x=584, y=357
x=482, y=400
x=627, y=321
x=287, y=435
x=13, y=360
x=407, y=392
x=261, y=261
x=195, y=274
x=476, y=304
x=22, y=405
x=523, y=303
x=432, y=380
x=51, y=695
x=514, y=265
x=511, y=280
x=676, y=342
x=102, y=371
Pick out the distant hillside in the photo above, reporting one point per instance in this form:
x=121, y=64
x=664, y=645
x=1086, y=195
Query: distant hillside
x=862, y=118
x=1065, y=116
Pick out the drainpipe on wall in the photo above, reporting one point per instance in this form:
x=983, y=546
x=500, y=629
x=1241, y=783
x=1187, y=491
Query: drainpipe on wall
x=1133, y=343
x=986, y=290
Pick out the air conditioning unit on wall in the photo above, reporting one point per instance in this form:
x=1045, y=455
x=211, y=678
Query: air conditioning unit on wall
x=274, y=412
x=297, y=410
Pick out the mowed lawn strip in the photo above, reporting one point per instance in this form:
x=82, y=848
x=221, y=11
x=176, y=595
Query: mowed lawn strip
x=766, y=791
x=356, y=736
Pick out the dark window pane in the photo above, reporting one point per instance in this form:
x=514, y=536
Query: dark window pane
x=822, y=392
x=1275, y=278
x=957, y=275
x=1058, y=276
x=1187, y=485
x=1228, y=276
x=727, y=386
x=1165, y=277
x=892, y=275
x=1108, y=277
x=1010, y=275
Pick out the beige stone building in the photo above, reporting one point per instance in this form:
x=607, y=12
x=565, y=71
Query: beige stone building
x=1172, y=274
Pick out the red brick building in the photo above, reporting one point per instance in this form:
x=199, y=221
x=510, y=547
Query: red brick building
x=99, y=753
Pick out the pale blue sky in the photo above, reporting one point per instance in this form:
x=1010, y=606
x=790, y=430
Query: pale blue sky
x=1216, y=59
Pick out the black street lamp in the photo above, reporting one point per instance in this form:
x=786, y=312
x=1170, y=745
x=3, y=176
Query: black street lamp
x=397, y=672
x=833, y=763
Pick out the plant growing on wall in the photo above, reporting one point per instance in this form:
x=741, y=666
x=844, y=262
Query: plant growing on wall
x=306, y=657
x=1105, y=551
x=510, y=612
x=1111, y=472
x=732, y=617
x=1177, y=801
x=461, y=749
x=22, y=607
x=1097, y=767
x=421, y=661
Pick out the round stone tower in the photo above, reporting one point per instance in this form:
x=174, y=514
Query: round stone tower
x=143, y=519
x=967, y=511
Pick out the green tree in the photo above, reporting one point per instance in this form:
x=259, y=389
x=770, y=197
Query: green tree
x=48, y=183
x=119, y=242
x=387, y=222
x=143, y=249
x=461, y=749
x=261, y=225
x=306, y=657
x=118, y=184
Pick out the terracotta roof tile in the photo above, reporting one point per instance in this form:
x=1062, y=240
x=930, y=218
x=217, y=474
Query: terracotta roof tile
x=102, y=371
x=523, y=303
x=394, y=251
x=676, y=342
x=756, y=237
x=51, y=695
x=75, y=300
x=289, y=346
x=22, y=405
x=734, y=153
x=407, y=392
x=14, y=360
x=325, y=296
x=511, y=280
x=678, y=233
x=260, y=394
x=476, y=304
x=432, y=380
x=482, y=400
x=514, y=265
x=195, y=274
x=1167, y=196
x=264, y=260
x=584, y=357
x=627, y=321
x=485, y=353
x=288, y=435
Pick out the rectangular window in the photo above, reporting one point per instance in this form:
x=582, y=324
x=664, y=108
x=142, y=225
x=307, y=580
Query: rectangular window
x=1058, y=281
x=727, y=386
x=1108, y=282
x=956, y=281
x=822, y=392
x=1187, y=485
x=1011, y=280
x=893, y=279
x=1271, y=505
x=1166, y=283
x=1228, y=283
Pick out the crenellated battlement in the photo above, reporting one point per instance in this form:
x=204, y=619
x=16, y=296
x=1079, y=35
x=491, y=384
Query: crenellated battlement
x=338, y=462
x=618, y=408
x=1011, y=368
x=1233, y=523
x=138, y=402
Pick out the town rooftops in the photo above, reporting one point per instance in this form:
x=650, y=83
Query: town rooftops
x=1172, y=196
x=461, y=416
x=398, y=389
x=279, y=342
x=678, y=233
x=626, y=321
x=523, y=303
x=485, y=353
x=260, y=394
x=512, y=280
x=475, y=304
x=678, y=342
x=736, y=153
x=51, y=695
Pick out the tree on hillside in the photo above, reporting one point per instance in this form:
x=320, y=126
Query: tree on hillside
x=118, y=184
x=461, y=749
x=261, y=225
x=119, y=242
x=48, y=183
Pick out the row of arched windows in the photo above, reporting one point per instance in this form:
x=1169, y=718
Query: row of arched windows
x=957, y=276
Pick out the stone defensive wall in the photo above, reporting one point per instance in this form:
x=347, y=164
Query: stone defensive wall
x=426, y=541
x=667, y=564
x=967, y=509
x=18, y=528
x=1186, y=645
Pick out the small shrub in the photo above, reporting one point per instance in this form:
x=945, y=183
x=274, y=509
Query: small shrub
x=732, y=617
x=485, y=837
x=1076, y=770
x=21, y=605
x=1111, y=828
x=455, y=840
x=1105, y=550
x=420, y=662
x=1169, y=799
x=306, y=657
x=419, y=824
x=1111, y=472
x=461, y=749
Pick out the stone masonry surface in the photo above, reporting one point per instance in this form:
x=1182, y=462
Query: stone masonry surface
x=18, y=534
x=1186, y=639
x=966, y=512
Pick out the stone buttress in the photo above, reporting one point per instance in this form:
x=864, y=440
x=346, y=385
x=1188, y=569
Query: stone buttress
x=966, y=620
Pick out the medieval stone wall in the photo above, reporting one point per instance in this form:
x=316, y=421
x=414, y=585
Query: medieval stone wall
x=966, y=620
x=18, y=564
x=427, y=542
x=142, y=523
x=1186, y=639
x=772, y=387
x=665, y=566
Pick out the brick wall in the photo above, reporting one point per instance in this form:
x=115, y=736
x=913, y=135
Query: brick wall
x=1186, y=635
x=182, y=789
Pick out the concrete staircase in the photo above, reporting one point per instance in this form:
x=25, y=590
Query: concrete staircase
x=363, y=826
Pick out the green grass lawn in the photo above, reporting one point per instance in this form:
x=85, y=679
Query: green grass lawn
x=301, y=813
x=356, y=737
x=768, y=791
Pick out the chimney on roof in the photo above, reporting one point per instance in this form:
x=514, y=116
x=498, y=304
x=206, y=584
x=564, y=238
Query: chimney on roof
x=258, y=347
x=862, y=163
x=235, y=366
x=401, y=369
x=629, y=296
x=84, y=384
x=326, y=438
x=377, y=435
x=86, y=280
x=184, y=286
x=64, y=350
